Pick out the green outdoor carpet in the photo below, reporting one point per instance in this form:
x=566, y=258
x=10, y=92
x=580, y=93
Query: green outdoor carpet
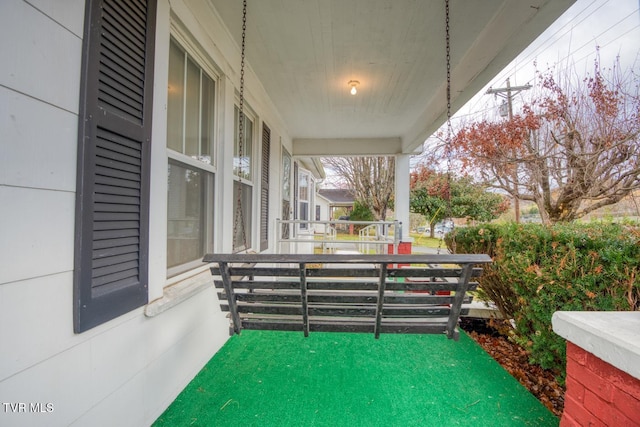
x=347, y=379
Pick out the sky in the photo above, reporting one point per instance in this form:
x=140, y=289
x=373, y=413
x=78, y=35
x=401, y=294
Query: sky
x=612, y=26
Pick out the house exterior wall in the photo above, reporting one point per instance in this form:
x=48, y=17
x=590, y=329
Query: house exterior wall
x=127, y=371
x=325, y=207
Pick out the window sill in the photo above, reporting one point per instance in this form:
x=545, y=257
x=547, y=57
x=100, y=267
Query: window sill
x=179, y=292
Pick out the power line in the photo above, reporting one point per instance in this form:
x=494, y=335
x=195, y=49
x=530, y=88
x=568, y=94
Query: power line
x=551, y=40
x=601, y=34
x=571, y=25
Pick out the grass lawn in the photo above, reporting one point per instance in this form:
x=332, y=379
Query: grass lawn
x=424, y=240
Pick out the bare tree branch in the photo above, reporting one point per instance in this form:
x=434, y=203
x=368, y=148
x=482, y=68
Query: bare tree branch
x=372, y=180
x=574, y=148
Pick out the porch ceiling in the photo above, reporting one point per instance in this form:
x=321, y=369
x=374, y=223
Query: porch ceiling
x=305, y=53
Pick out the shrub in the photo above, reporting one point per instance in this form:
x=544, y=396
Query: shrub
x=483, y=239
x=360, y=212
x=539, y=270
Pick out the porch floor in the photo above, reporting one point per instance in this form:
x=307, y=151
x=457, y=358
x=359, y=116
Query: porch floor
x=347, y=379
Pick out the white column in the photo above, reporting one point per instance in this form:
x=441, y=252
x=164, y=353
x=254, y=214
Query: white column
x=402, y=194
x=225, y=202
x=158, y=184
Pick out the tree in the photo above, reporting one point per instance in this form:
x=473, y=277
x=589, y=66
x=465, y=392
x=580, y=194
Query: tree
x=573, y=149
x=428, y=196
x=360, y=212
x=430, y=191
x=372, y=180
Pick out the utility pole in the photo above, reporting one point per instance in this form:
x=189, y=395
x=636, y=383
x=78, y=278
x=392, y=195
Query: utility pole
x=508, y=93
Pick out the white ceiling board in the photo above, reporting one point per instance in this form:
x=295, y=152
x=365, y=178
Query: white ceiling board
x=305, y=53
x=346, y=147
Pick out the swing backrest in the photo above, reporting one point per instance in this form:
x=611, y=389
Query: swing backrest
x=346, y=293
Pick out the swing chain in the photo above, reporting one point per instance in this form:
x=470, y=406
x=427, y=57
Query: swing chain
x=448, y=151
x=239, y=216
x=448, y=45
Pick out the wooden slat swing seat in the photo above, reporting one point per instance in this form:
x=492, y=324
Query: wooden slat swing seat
x=345, y=293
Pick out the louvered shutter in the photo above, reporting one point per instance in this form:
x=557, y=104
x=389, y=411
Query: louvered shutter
x=264, y=188
x=296, y=199
x=112, y=200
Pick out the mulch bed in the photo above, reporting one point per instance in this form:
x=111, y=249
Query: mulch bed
x=515, y=359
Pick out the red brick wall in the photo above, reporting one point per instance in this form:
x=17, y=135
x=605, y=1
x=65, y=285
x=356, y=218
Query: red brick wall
x=598, y=394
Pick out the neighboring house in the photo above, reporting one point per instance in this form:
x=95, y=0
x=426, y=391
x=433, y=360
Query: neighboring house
x=340, y=200
x=122, y=166
x=323, y=207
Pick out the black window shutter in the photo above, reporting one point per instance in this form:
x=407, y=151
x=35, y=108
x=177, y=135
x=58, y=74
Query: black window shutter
x=114, y=138
x=264, y=188
x=296, y=199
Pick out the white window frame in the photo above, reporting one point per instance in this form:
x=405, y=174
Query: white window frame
x=247, y=182
x=286, y=186
x=303, y=226
x=193, y=162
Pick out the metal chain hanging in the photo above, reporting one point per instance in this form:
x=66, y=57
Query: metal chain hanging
x=239, y=216
x=448, y=151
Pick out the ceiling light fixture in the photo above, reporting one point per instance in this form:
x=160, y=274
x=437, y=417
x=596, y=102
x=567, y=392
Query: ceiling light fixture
x=353, y=84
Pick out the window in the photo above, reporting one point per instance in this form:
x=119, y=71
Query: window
x=241, y=216
x=242, y=186
x=286, y=192
x=303, y=198
x=190, y=143
x=187, y=237
x=114, y=134
x=242, y=154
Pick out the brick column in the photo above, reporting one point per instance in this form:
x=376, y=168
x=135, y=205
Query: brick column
x=598, y=394
x=603, y=363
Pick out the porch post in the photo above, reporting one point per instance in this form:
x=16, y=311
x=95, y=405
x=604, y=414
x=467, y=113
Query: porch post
x=225, y=208
x=402, y=194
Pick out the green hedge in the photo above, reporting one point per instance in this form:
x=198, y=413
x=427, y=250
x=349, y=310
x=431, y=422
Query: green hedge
x=360, y=212
x=539, y=270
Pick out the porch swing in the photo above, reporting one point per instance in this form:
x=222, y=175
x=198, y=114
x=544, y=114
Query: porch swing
x=343, y=292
